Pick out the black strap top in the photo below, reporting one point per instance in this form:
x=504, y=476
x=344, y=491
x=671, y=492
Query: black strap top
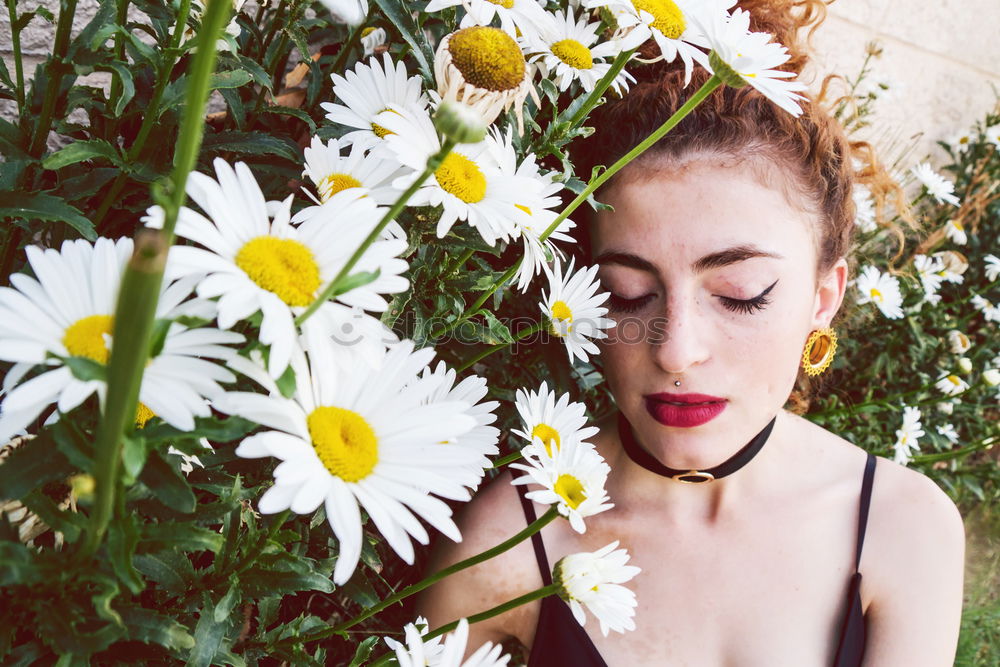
x=560, y=640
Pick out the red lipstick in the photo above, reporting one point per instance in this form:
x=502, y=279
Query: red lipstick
x=684, y=410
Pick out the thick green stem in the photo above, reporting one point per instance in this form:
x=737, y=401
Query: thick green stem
x=56, y=65
x=595, y=95
x=534, y=328
x=433, y=162
x=15, y=42
x=506, y=545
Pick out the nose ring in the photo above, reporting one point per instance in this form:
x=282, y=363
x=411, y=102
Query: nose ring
x=677, y=383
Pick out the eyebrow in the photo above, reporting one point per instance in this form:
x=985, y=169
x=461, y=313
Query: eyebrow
x=711, y=261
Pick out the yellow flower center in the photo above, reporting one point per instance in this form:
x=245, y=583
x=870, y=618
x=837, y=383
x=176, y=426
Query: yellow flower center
x=487, y=57
x=380, y=131
x=957, y=225
x=506, y=4
x=548, y=435
x=344, y=442
x=573, y=53
x=143, y=414
x=570, y=489
x=560, y=311
x=955, y=380
x=334, y=183
x=667, y=16
x=367, y=31
x=876, y=295
x=460, y=176
x=85, y=338
x=282, y=266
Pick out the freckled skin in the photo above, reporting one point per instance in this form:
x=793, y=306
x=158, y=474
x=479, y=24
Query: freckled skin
x=750, y=569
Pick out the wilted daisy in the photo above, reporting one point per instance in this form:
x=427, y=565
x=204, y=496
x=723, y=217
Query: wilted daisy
x=331, y=173
x=864, y=209
x=418, y=653
x=469, y=183
x=741, y=57
x=929, y=270
x=882, y=290
x=371, y=39
x=352, y=435
x=516, y=16
x=67, y=310
x=483, y=68
x=551, y=421
x=954, y=265
x=908, y=435
x=572, y=477
x=567, y=51
x=573, y=310
x=955, y=231
x=990, y=311
x=951, y=384
x=949, y=432
x=351, y=12
x=256, y=263
x=992, y=267
x=593, y=580
x=367, y=91
x=937, y=185
x=958, y=342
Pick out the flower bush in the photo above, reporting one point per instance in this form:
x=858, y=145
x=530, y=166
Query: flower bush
x=222, y=449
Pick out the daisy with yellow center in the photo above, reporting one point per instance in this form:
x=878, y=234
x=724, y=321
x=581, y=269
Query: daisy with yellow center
x=951, y=384
x=936, y=185
x=955, y=231
x=573, y=308
x=255, y=260
x=567, y=51
x=572, y=477
x=593, y=581
x=517, y=17
x=907, y=435
x=551, y=421
x=446, y=651
x=882, y=290
x=356, y=436
x=469, y=184
x=483, y=68
x=368, y=90
x=66, y=311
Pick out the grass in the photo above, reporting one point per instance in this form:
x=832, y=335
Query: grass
x=979, y=641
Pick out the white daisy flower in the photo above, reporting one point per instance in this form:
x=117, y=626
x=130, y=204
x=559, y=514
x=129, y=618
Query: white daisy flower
x=949, y=432
x=864, y=209
x=990, y=311
x=418, y=653
x=484, y=69
x=673, y=25
x=572, y=478
x=958, y=342
x=937, y=185
x=950, y=384
x=67, y=310
x=256, y=263
x=955, y=231
x=961, y=140
x=351, y=12
x=594, y=581
x=367, y=91
x=954, y=265
x=371, y=39
x=573, y=308
x=742, y=57
x=538, y=196
x=929, y=270
x=552, y=421
x=908, y=435
x=992, y=267
x=567, y=51
x=992, y=134
x=352, y=435
x=469, y=184
x=517, y=17
x=882, y=290
x=332, y=173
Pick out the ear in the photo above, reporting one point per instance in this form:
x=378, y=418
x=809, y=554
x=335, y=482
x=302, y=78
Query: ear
x=829, y=294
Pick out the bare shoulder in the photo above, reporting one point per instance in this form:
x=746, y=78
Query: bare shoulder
x=491, y=517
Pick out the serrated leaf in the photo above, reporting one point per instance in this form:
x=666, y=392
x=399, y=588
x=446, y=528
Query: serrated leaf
x=121, y=542
x=165, y=568
x=125, y=79
x=213, y=428
x=251, y=143
x=43, y=206
x=167, y=485
x=147, y=626
x=31, y=465
x=499, y=333
x=180, y=536
x=224, y=606
x=363, y=651
x=208, y=635
x=399, y=16
x=294, y=113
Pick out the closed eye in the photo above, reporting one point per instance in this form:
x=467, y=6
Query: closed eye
x=748, y=306
x=620, y=305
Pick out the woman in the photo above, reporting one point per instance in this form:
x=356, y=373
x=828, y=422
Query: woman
x=727, y=247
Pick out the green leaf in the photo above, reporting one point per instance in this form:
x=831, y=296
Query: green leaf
x=167, y=484
x=71, y=524
x=145, y=625
x=251, y=143
x=121, y=542
x=180, y=536
x=294, y=113
x=363, y=652
x=85, y=369
x=31, y=465
x=208, y=636
x=213, y=428
x=286, y=383
x=125, y=78
x=159, y=336
x=224, y=607
x=259, y=74
x=107, y=591
x=177, y=90
x=265, y=581
x=18, y=566
x=498, y=332
x=399, y=16
x=43, y=206
x=134, y=453
x=166, y=569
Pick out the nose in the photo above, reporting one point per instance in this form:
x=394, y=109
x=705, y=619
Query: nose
x=680, y=339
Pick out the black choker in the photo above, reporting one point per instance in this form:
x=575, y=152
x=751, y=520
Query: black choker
x=731, y=465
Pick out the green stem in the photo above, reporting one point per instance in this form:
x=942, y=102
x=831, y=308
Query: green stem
x=595, y=95
x=140, y=290
x=504, y=460
x=534, y=328
x=116, y=83
x=345, y=50
x=277, y=18
x=679, y=115
x=151, y=113
x=889, y=402
x=330, y=291
x=56, y=65
x=15, y=40
x=982, y=443
x=251, y=555
x=459, y=262
x=506, y=545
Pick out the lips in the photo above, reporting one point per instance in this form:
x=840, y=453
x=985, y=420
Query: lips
x=684, y=410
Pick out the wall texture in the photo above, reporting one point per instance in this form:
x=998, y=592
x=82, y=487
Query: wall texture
x=941, y=58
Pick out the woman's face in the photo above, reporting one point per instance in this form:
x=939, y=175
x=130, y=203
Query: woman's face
x=713, y=283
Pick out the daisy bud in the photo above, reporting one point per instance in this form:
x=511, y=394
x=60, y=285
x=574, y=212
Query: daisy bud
x=958, y=342
x=965, y=365
x=991, y=376
x=460, y=123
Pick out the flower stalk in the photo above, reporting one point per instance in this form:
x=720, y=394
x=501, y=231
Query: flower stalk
x=56, y=66
x=595, y=95
x=534, y=328
x=15, y=43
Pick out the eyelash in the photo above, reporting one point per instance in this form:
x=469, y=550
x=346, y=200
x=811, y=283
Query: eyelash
x=746, y=306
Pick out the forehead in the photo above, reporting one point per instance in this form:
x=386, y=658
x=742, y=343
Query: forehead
x=672, y=214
